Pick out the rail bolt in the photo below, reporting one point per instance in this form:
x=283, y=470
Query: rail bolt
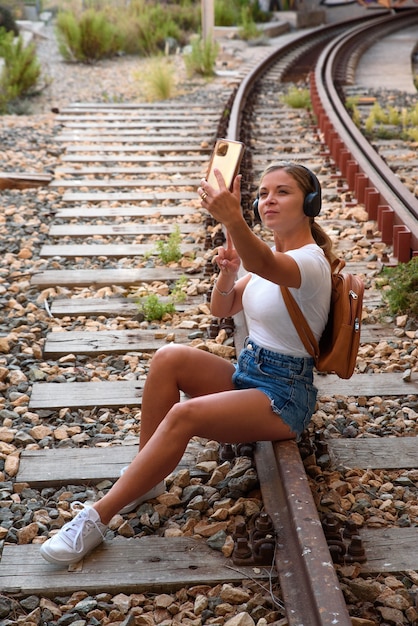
x=226, y=452
x=332, y=527
x=263, y=522
x=241, y=531
x=227, y=323
x=356, y=552
x=208, y=241
x=213, y=329
x=219, y=238
x=245, y=449
x=242, y=550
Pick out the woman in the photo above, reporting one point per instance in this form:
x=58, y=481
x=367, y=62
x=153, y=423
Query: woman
x=270, y=394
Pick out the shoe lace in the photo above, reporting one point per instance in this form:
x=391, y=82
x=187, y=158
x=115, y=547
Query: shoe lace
x=78, y=527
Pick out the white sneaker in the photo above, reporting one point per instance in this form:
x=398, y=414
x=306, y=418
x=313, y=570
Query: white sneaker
x=76, y=538
x=152, y=493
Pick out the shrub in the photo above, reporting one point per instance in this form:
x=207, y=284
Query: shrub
x=226, y=13
x=231, y=12
x=154, y=28
x=202, y=56
x=138, y=27
x=158, y=81
x=248, y=29
x=87, y=39
x=21, y=70
x=400, y=287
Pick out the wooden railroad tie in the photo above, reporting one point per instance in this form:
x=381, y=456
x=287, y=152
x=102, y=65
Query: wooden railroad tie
x=149, y=564
x=19, y=180
x=154, y=564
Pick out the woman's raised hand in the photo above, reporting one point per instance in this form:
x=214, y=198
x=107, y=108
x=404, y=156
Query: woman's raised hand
x=227, y=258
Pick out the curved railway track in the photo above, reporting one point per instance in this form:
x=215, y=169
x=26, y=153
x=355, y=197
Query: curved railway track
x=132, y=171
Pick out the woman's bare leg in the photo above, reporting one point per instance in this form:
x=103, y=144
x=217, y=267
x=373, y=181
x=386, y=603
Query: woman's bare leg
x=229, y=416
x=176, y=368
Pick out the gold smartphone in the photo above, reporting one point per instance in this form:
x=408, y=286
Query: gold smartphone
x=226, y=157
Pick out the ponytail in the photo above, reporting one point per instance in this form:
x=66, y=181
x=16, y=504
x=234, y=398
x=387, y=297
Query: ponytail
x=323, y=241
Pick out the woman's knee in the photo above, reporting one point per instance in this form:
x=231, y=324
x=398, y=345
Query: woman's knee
x=182, y=419
x=169, y=356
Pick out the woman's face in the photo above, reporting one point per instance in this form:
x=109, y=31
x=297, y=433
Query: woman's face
x=281, y=201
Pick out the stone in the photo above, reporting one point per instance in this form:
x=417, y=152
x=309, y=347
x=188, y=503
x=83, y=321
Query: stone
x=163, y=601
x=123, y=602
x=241, y=619
x=27, y=533
x=234, y=595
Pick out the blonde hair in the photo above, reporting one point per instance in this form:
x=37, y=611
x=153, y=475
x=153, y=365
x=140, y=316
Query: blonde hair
x=304, y=179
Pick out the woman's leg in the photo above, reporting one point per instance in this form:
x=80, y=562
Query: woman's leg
x=219, y=413
x=176, y=368
x=227, y=416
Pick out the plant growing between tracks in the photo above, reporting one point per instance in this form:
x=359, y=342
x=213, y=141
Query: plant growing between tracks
x=153, y=308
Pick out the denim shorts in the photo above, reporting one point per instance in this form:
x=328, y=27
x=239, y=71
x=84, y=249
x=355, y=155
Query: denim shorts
x=286, y=380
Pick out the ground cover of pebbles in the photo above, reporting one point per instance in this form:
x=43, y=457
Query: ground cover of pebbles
x=192, y=507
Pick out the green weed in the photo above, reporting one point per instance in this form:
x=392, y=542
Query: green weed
x=412, y=134
x=351, y=102
x=297, y=98
x=392, y=122
x=153, y=308
x=169, y=251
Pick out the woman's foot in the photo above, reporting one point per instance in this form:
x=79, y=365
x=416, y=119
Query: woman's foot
x=75, y=539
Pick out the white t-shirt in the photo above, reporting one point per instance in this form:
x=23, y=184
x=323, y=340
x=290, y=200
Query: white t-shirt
x=269, y=323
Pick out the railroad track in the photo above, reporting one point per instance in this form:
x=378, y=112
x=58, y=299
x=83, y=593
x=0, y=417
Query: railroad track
x=106, y=150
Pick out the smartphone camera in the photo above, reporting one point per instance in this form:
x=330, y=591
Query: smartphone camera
x=222, y=149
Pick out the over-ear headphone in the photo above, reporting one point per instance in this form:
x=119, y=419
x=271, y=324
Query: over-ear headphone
x=312, y=202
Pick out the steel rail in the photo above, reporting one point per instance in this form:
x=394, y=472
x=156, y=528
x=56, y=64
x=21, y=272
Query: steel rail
x=391, y=199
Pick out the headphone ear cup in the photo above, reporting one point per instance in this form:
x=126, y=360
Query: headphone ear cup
x=255, y=209
x=312, y=204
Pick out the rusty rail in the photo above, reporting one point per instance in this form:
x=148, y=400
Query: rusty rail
x=386, y=199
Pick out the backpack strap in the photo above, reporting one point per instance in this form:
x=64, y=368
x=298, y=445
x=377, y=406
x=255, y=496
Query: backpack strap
x=303, y=329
